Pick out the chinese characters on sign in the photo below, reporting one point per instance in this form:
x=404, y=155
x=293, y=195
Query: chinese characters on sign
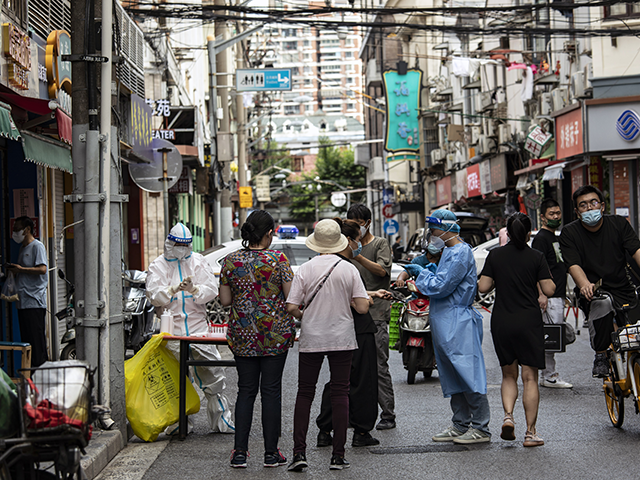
x=485, y=177
x=473, y=181
x=595, y=172
x=184, y=183
x=536, y=140
x=58, y=72
x=443, y=191
x=403, y=104
x=577, y=178
x=569, y=134
x=160, y=108
x=16, y=46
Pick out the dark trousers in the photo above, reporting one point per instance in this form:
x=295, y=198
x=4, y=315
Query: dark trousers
x=363, y=389
x=33, y=332
x=264, y=373
x=308, y=371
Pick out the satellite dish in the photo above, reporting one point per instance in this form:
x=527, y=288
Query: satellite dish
x=148, y=176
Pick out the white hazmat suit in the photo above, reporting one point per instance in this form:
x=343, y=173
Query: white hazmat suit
x=182, y=282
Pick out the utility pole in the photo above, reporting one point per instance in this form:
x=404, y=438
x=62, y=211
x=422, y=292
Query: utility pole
x=242, y=136
x=96, y=197
x=224, y=136
x=213, y=125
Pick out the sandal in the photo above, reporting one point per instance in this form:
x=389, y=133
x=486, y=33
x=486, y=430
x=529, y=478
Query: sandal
x=508, y=428
x=532, y=440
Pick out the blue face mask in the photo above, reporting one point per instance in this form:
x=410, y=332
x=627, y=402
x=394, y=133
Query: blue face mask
x=591, y=217
x=357, y=251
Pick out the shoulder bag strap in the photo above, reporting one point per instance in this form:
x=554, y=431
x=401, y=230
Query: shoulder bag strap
x=322, y=283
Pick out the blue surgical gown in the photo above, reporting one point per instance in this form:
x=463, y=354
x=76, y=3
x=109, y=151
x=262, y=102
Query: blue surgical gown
x=456, y=326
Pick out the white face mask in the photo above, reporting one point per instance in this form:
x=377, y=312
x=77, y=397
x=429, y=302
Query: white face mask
x=363, y=230
x=18, y=237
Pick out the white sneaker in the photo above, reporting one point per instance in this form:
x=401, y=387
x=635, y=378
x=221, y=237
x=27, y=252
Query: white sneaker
x=555, y=382
x=472, y=436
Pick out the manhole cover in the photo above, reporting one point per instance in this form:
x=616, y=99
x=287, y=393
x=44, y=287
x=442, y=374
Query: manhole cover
x=418, y=449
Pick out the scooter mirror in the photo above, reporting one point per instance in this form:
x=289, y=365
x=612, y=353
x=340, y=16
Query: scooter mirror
x=61, y=274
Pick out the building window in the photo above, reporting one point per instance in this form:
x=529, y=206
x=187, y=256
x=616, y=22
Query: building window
x=295, y=71
x=349, y=42
x=18, y=10
x=348, y=55
x=290, y=45
x=307, y=57
x=306, y=43
x=622, y=10
x=289, y=32
x=291, y=109
x=351, y=106
x=307, y=70
x=307, y=82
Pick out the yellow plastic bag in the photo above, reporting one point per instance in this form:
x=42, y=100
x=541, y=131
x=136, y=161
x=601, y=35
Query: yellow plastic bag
x=151, y=382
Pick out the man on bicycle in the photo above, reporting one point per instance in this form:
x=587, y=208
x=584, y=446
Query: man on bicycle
x=594, y=249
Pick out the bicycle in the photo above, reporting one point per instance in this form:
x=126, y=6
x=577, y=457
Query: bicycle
x=624, y=367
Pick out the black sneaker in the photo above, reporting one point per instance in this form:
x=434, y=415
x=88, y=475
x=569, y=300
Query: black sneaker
x=338, y=463
x=386, y=424
x=239, y=459
x=364, y=440
x=600, y=366
x=324, y=439
x=275, y=459
x=299, y=463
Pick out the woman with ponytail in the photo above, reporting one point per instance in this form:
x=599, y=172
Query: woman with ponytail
x=255, y=281
x=516, y=321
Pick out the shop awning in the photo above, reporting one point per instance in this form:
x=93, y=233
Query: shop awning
x=42, y=107
x=7, y=127
x=47, y=152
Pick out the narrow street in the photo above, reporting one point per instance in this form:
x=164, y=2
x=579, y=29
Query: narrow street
x=580, y=442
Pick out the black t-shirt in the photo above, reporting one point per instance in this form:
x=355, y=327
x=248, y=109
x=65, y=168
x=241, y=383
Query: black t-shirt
x=601, y=254
x=363, y=322
x=549, y=244
x=516, y=274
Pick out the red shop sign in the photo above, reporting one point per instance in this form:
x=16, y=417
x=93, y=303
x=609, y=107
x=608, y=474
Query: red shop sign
x=473, y=181
x=577, y=178
x=569, y=134
x=443, y=191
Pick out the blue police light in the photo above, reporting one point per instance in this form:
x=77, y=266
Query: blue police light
x=288, y=231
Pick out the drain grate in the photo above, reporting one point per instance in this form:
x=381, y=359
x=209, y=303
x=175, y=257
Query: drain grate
x=450, y=447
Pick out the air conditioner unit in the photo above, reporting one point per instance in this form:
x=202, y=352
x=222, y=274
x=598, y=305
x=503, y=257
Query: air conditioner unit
x=490, y=131
x=475, y=134
x=546, y=104
x=504, y=133
x=486, y=144
x=577, y=85
x=130, y=69
x=485, y=100
x=373, y=72
x=588, y=75
x=560, y=99
x=437, y=154
x=451, y=162
x=376, y=170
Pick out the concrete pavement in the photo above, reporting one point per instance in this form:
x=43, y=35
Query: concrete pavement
x=579, y=439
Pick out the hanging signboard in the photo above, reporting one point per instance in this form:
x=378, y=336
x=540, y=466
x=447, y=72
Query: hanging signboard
x=536, y=140
x=485, y=177
x=569, y=134
x=246, y=197
x=58, y=72
x=16, y=46
x=473, y=181
x=443, y=191
x=402, y=94
x=263, y=79
x=140, y=132
x=262, y=188
x=461, y=184
x=184, y=183
x=499, y=172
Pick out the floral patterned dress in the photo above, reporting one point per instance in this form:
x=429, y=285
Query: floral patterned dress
x=259, y=324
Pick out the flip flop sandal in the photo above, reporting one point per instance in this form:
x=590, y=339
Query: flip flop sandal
x=532, y=440
x=508, y=428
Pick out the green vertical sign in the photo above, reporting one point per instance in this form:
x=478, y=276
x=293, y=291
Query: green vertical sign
x=403, y=107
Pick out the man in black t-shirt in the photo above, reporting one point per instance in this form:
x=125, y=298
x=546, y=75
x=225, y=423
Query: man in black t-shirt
x=593, y=248
x=552, y=307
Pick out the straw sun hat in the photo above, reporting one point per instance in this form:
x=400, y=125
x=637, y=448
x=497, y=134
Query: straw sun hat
x=326, y=238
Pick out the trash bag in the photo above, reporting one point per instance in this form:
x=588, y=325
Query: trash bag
x=9, y=292
x=9, y=408
x=152, y=389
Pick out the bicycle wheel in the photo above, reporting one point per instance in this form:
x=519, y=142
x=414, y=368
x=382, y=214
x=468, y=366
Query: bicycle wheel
x=613, y=397
x=636, y=375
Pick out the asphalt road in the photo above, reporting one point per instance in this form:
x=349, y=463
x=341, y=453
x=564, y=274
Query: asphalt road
x=580, y=442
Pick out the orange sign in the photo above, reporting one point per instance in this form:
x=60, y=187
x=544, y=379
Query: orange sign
x=16, y=46
x=569, y=134
x=246, y=197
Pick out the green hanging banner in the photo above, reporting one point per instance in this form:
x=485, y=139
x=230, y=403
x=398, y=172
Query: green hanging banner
x=402, y=93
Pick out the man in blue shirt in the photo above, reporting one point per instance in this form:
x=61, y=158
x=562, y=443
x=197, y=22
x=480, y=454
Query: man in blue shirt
x=31, y=285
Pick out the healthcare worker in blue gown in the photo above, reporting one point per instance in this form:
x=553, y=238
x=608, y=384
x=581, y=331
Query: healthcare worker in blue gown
x=457, y=331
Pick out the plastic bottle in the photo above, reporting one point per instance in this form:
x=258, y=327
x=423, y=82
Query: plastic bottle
x=166, y=322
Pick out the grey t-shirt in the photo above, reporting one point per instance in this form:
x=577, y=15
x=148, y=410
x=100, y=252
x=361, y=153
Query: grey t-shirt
x=377, y=250
x=32, y=289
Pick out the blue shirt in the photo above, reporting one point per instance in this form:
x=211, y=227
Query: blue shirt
x=32, y=289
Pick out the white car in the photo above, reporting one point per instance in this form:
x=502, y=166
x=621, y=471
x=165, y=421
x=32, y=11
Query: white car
x=294, y=248
x=480, y=254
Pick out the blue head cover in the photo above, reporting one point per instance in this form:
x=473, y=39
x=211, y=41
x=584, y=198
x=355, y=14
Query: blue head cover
x=180, y=234
x=444, y=220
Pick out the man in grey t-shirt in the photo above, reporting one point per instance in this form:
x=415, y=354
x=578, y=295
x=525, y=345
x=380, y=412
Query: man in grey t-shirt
x=31, y=285
x=374, y=265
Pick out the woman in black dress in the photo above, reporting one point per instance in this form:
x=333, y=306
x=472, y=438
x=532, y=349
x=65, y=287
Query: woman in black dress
x=516, y=322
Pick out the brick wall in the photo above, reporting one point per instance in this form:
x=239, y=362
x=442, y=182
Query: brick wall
x=621, y=173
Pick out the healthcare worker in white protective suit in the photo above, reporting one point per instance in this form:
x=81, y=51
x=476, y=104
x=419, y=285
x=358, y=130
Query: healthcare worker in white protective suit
x=182, y=282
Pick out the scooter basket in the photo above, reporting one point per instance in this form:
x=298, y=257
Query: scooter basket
x=626, y=339
x=57, y=399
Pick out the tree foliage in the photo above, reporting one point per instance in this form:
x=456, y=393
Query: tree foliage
x=333, y=164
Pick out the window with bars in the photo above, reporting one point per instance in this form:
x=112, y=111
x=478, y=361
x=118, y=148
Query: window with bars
x=45, y=15
x=17, y=10
x=291, y=109
x=622, y=10
x=290, y=45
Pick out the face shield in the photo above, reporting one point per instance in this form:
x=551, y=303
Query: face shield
x=432, y=241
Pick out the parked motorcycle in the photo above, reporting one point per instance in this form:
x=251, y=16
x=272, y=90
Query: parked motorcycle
x=416, y=343
x=139, y=322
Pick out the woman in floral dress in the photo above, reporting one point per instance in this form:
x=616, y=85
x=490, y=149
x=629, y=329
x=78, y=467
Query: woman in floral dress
x=255, y=281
